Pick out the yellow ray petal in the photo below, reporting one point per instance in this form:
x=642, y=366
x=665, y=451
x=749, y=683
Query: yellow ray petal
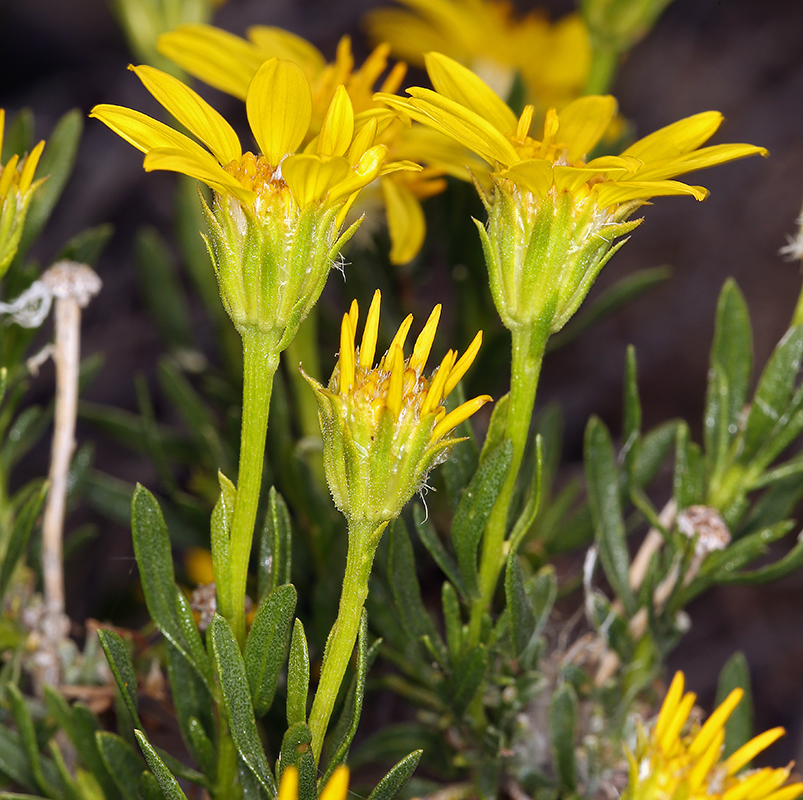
x=2, y=127
x=787, y=792
x=676, y=139
x=363, y=140
x=456, y=82
x=423, y=344
x=142, y=131
x=461, y=367
x=398, y=341
x=346, y=360
x=9, y=171
x=396, y=383
x=715, y=722
x=670, y=705
x=206, y=170
x=338, y=125
x=288, y=786
x=354, y=316
x=365, y=171
x=706, y=759
x=461, y=124
x=623, y=191
x=460, y=414
x=370, y=333
x=406, y=221
x=747, y=752
x=29, y=168
x=583, y=123
x=535, y=175
x=310, y=177
x=669, y=740
x=193, y=112
x=279, y=108
x=337, y=786
x=212, y=55
x=435, y=393
x=278, y=43
x=699, y=159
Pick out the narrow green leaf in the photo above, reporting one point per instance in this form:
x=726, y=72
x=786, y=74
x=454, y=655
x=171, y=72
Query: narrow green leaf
x=222, y=516
x=23, y=434
x=42, y=769
x=86, y=247
x=267, y=643
x=542, y=591
x=716, y=433
x=57, y=162
x=13, y=760
x=631, y=424
x=773, y=391
x=407, y=592
x=460, y=687
x=275, y=548
x=653, y=450
x=464, y=460
x=123, y=764
x=390, y=786
x=167, y=783
x=522, y=619
x=160, y=289
x=563, y=733
x=297, y=752
x=739, y=727
x=20, y=536
x=430, y=539
x=297, y=676
x=195, y=647
x=148, y=787
x=606, y=510
x=474, y=509
x=346, y=727
x=496, y=428
x=122, y=668
x=453, y=622
x=18, y=137
x=689, y=476
x=237, y=700
x=533, y=503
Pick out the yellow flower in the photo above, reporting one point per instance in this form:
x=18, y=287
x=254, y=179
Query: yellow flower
x=337, y=787
x=385, y=427
x=553, y=60
x=553, y=214
x=275, y=225
x=16, y=191
x=671, y=765
x=228, y=63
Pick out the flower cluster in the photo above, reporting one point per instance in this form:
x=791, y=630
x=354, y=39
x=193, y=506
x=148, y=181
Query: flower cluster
x=553, y=212
x=385, y=426
x=670, y=765
x=276, y=220
x=17, y=186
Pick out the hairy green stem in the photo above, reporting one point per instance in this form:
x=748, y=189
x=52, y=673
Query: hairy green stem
x=260, y=360
x=604, y=66
x=363, y=538
x=527, y=356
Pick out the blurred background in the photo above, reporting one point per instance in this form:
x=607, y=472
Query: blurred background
x=742, y=57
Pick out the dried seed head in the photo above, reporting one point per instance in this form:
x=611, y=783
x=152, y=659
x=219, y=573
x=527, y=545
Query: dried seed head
x=72, y=279
x=711, y=530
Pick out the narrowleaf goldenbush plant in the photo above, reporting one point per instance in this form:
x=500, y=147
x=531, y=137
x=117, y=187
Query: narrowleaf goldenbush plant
x=313, y=574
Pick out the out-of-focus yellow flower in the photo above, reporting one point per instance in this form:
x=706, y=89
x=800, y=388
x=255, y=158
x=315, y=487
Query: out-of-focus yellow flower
x=228, y=63
x=275, y=225
x=553, y=215
x=385, y=427
x=337, y=787
x=16, y=191
x=553, y=59
x=669, y=764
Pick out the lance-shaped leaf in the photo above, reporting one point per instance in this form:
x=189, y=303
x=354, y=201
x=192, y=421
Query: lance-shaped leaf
x=167, y=783
x=20, y=535
x=430, y=539
x=123, y=764
x=407, y=591
x=688, y=480
x=522, y=619
x=297, y=677
x=459, y=688
x=739, y=727
x=563, y=733
x=237, y=700
x=474, y=509
x=122, y=668
x=606, y=510
x=390, y=786
x=275, y=546
x=266, y=645
x=297, y=752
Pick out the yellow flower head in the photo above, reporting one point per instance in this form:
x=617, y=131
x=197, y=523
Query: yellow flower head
x=16, y=191
x=553, y=60
x=672, y=765
x=337, y=787
x=276, y=218
x=386, y=426
x=553, y=213
x=228, y=63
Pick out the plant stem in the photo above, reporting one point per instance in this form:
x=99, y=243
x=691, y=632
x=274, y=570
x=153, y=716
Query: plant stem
x=602, y=73
x=260, y=360
x=363, y=539
x=527, y=356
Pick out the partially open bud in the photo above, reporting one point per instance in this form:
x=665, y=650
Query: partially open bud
x=385, y=427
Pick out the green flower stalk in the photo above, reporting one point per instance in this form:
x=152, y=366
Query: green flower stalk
x=553, y=218
x=16, y=192
x=384, y=428
x=275, y=230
